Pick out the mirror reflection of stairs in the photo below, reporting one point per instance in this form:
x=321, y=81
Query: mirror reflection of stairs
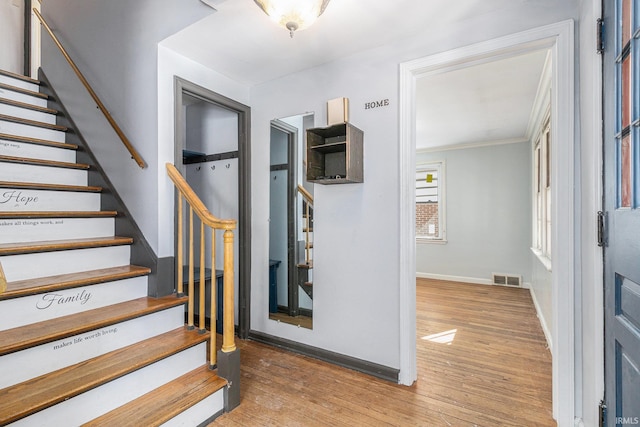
x=81, y=342
x=305, y=273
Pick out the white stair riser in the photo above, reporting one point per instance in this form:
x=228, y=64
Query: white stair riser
x=200, y=412
x=19, y=83
x=21, y=97
x=35, y=361
x=42, y=264
x=27, y=113
x=17, y=200
x=35, y=151
x=29, y=131
x=16, y=172
x=43, y=229
x=100, y=400
x=41, y=307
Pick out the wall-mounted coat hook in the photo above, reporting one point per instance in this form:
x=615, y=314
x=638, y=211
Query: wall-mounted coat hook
x=213, y=167
x=228, y=165
x=198, y=168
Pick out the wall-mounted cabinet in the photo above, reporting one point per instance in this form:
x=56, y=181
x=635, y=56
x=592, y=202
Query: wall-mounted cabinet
x=334, y=154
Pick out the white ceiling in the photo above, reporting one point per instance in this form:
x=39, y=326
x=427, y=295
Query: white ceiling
x=486, y=103
x=483, y=103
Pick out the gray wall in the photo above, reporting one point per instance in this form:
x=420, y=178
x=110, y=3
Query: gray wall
x=114, y=43
x=488, y=213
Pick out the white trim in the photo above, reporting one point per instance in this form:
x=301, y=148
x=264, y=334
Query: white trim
x=424, y=240
x=544, y=260
x=450, y=278
x=543, y=322
x=471, y=145
x=559, y=37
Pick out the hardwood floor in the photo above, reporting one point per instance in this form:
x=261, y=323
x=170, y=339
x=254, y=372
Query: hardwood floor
x=482, y=361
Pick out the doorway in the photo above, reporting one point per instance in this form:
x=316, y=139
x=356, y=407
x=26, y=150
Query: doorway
x=212, y=152
x=559, y=39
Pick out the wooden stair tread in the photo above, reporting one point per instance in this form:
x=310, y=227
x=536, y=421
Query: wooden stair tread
x=164, y=403
x=28, y=106
x=307, y=266
x=62, y=245
x=20, y=288
x=42, y=392
x=55, y=187
x=24, y=91
x=40, y=162
x=28, y=140
x=57, y=214
x=20, y=77
x=27, y=336
x=29, y=122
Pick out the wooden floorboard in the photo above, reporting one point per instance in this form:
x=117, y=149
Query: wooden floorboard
x=493, y=370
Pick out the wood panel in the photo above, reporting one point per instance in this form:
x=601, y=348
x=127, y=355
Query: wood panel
x=162, y=404
x=28, y=106
x=38, y=141
x=62, y=245
x=20, y=288
x=19, y=76
x=26, y=336
x=35, y=123
x=39, y=393
x=494, y=370
x=39, y=162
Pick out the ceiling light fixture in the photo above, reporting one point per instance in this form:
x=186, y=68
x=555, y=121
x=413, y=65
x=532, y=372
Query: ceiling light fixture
x=293, y=15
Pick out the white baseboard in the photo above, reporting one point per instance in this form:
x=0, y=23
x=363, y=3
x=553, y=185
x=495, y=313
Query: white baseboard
x=454, y=278
x=543, y=322
x=463, y=279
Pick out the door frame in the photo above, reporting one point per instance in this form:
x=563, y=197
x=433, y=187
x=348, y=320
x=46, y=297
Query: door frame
x=292, y=238
x=182, y=86
x=559, y=38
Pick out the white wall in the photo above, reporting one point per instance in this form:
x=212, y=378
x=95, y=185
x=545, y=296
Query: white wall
x=11, y=34
x=488, y=214
x=114, y=43
x=356, y=291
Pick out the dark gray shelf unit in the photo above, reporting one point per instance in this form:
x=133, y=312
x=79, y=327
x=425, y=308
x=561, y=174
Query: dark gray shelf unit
x=335, y=154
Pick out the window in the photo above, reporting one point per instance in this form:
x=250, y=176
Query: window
x=542, y=194
x=430, y=224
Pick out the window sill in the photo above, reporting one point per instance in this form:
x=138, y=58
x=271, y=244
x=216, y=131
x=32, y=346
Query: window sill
x=431, y=241
x=545, y=260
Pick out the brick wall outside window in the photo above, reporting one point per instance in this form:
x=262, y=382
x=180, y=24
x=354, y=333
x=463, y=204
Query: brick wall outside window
x=427, y=213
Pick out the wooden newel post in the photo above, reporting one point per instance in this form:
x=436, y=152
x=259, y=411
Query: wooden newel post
x=3, y=280
x=228, y=340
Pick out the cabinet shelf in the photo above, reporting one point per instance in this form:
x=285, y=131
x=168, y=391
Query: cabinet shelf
x=332, y=147
x=334, y=154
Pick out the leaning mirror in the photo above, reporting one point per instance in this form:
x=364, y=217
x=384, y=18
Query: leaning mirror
x=290, y=224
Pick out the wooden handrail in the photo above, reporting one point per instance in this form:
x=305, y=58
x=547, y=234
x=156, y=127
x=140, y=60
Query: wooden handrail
x=194, y=201
x=134, y=154
x=3, y=280
x=305, y=194
x=185, y=192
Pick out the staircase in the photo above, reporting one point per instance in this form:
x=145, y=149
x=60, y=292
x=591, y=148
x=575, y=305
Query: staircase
x=81, y=342
x=305, y=268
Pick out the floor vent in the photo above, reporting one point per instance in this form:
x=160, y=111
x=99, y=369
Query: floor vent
x=507, y=279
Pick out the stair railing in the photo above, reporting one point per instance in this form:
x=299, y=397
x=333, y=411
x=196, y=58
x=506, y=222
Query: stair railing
x=134, y=153
x=186, y=193
x=307, y=229
x=3, y=280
